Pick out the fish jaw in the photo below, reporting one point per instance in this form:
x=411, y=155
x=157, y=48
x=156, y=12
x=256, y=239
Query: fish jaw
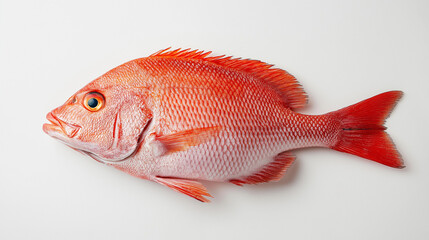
x=58, y=128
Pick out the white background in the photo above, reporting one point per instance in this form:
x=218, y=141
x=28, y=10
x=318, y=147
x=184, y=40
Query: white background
x=341, y=51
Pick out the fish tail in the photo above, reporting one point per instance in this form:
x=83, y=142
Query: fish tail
x=362, y=132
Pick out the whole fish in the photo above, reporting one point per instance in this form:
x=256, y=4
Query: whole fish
x=179, y=116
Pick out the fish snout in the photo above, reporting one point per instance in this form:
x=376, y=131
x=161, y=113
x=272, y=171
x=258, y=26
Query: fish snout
x=58, y=125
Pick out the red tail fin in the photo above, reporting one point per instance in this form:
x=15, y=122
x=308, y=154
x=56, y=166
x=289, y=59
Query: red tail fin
x=363, y=132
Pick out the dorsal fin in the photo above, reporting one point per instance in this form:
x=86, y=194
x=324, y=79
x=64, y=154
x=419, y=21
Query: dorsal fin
x=285, y=85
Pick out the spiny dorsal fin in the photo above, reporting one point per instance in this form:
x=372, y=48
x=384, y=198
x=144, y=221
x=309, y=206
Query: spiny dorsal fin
x=286, y=86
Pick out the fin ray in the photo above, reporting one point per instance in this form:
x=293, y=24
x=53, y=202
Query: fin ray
x=273, y=171
x=189, y=187
x=362, y=131
x=183, y=140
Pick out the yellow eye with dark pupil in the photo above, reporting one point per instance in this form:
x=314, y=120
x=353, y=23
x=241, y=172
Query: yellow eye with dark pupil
x=93, y=101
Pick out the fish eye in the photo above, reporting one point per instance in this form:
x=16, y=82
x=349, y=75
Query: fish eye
x=93, y=101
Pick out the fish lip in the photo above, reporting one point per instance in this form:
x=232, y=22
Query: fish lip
x=58, y=125
x=53, y=126
x=49, y=128
x=51, y=118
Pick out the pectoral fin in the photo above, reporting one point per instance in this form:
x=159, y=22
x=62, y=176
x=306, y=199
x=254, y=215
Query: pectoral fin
x=181, y=141
x=189, y=187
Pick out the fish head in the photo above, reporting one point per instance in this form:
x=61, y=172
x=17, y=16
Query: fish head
x=104, y=121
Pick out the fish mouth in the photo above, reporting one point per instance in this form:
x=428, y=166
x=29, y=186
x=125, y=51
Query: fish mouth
x=57, y=125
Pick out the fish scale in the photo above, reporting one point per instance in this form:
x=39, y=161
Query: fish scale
x=180, y=116
x=184, y=109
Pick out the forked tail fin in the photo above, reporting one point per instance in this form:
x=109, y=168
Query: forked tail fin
x=362, y=131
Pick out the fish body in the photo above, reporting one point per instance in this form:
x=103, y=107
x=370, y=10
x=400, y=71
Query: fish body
x=180, y=116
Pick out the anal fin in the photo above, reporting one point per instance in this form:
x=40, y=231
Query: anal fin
x=273, y=171
x=189, y=187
